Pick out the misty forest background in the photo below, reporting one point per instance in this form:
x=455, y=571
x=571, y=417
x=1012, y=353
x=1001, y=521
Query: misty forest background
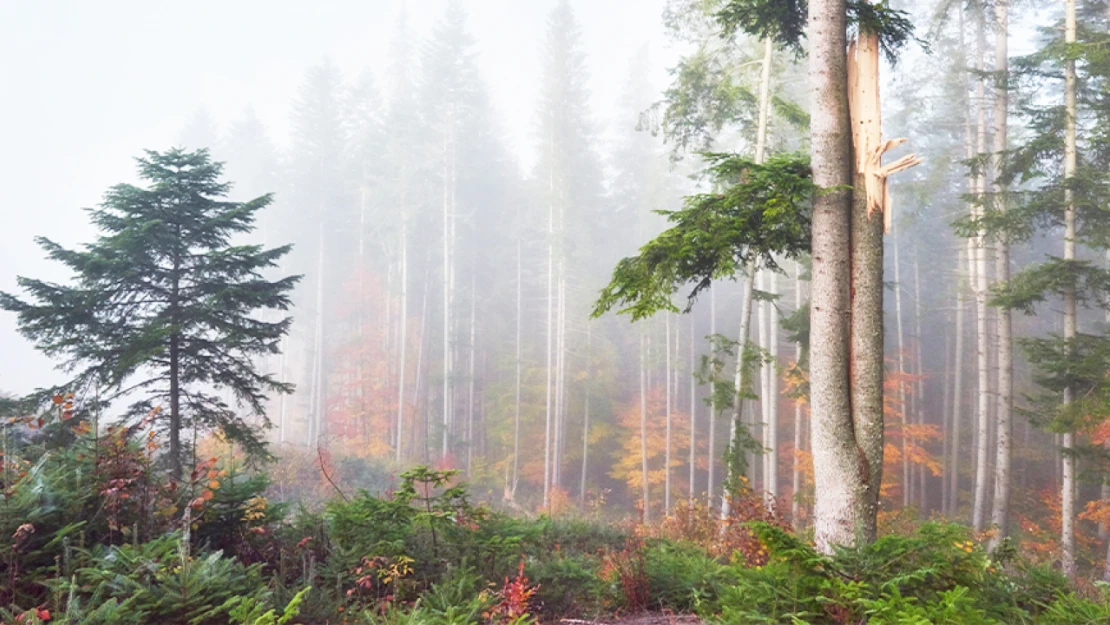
x=444, y=315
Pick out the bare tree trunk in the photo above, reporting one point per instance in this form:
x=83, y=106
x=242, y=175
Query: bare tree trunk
x=740, y=382
x=840, y=510
x=1071, y=317
x=946, y=428
x=957, y=404
x=693, y=413
x=771, y=476
x=548, y=341
x=420, y=369
x=1000, y=509
x=978, y=510
x=713, y=414
x=762, y=425
x=667, y=452
x=586, y=416
x=907, y=483
x=919, y=383
x=470, y=382
x=796, y=471
x=516, y=413
x=403, y=347
x=646, y=516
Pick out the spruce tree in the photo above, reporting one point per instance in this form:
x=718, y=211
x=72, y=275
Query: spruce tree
x=161, y=310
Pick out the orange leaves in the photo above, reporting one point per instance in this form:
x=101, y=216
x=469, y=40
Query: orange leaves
x=628, y=465
x=1097, y=511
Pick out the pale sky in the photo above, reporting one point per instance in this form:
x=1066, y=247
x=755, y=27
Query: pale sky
x=88, y=85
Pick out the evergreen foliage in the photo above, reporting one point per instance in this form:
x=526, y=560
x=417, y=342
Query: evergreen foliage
x=161, y=309
x=762, y=214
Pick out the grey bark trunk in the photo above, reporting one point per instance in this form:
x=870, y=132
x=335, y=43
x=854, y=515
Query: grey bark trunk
x=1000, y=507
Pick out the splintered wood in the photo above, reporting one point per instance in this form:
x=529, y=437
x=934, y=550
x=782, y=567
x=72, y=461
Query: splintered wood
x=867, y=126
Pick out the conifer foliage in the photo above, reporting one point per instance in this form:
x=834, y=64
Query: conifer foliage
x=161, y=308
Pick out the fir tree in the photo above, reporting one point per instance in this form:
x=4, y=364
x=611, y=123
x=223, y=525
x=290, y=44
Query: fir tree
x=161, y=309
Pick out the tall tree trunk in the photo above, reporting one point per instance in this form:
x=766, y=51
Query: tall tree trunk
x=549, y=348
x=978, y=511
x=764, y=422
x=646, y=516
x=741, y=383
x=586, y=417
x=1000, y=509
x=470, y=382
x=667, y=452
x=846, y=318
x=919, y=383
x=421, y=373
x=953, y=474
x=903, y=407
x=448, y=294
x=693, y=413
x=1071, y=317
x=711, y=455
x=796, y=471
x=516, y=413
x=772, y=474
x=403, y=347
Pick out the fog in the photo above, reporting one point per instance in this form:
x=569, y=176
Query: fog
x=90, y=85
x=458, y=180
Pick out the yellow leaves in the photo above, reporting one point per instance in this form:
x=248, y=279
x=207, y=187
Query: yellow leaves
x=1097, y=511
x=214, y=484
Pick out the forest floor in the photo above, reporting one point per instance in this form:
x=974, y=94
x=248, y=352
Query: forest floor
x=647, y=618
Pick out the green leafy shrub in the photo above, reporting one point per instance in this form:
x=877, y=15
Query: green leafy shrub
x=161, y=582
x=569, y=584
x=682, y=577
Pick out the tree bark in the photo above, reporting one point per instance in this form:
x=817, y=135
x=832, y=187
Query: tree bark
x=711, y=454
x=740, y=383
x=903, y=407
x=979, y=503
x=646, y=516
x=693, y=413
x=953, y=474
x=796, y=471
x=1000, y=507
x=841, y=502
x=1071, y=317
x=667, y=452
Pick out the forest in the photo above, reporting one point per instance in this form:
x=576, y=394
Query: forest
x=810, y=324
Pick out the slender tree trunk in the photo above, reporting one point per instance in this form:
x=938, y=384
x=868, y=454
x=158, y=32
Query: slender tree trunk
x=919, y=383
x=470, y=383
x=516, y=413
x=772, y=474
x=946, y=428
x=1001, y=506
x=763, y=423
x=796, y=471
x=646, y=516
x=957, y=404
x=907, y=483
x=981, y=291
x=548, y=341
x=448, y=295
x=741, y=383
x=586, y=417
x=1071, y=317
x=420, y=368
x=667, y=452
x=711, y=455
x=403, y=347
x=693, y=413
